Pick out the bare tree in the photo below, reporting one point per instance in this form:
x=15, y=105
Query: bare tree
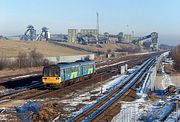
x=35, y=58
x=3, y=61
x=22, y=60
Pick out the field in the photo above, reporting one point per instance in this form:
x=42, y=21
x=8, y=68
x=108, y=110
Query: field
x=11, y=48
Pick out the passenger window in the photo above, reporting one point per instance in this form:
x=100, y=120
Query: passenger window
x=73, y=69
x=56, y=72
x=46, y=72
x=69, y=70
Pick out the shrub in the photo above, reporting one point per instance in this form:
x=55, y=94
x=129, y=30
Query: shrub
x=31, y=59
x=35, y=58
x=3, y=62
x=22, y=60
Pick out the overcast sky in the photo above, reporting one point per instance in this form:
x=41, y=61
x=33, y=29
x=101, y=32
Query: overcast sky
x=141, y=16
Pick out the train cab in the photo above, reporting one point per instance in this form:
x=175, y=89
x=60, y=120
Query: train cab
x=51, y=75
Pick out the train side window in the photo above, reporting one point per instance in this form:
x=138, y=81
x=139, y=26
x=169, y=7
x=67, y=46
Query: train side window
x=77, y=68
x=73, y=69
x=86, y=67
x=68, y=70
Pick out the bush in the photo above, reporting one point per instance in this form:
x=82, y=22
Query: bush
x=3, y=62
x=32, y=59
x=22, y=60
x=35, y=58
x=45, y=62
x=87, y=58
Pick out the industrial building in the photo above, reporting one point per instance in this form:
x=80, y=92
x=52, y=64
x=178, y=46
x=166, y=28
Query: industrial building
x=89, y=31
x=91, y=36
x=84, y=36
x=127, y=38
x=72, y=35
x=110, y=38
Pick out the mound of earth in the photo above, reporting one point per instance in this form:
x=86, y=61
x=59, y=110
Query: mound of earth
x=11, y=48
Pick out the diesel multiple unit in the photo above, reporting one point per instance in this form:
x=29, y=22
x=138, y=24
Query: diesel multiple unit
x=62, y=73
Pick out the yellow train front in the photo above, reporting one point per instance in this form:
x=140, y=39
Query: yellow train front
x=63, y=72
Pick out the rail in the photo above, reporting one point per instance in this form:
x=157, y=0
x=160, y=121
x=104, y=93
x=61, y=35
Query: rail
x=109, y=99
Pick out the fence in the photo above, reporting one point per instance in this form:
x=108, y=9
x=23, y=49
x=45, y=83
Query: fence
x=139, y=111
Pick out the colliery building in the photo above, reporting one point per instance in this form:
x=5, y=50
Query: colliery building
x=83, y=36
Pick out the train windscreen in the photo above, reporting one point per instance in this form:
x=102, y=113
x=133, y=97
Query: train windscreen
x=51, y=72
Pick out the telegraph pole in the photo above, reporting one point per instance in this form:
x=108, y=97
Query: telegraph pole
x=97, y=26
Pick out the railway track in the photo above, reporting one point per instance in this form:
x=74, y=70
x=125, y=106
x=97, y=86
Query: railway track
x=91, y=113
x=21, y=91
x=103, y=73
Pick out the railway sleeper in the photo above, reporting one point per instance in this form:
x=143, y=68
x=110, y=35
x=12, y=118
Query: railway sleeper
x=108, y=115
x=130, y=95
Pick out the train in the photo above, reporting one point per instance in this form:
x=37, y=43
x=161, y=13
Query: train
x=64, y=73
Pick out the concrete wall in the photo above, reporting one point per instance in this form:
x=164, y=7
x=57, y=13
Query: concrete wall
x=73, y=58
x=59, y=59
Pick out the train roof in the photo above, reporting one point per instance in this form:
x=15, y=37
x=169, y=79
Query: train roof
x=77, y=63
x=65, y=65
x=86, y=62
x=70, y=64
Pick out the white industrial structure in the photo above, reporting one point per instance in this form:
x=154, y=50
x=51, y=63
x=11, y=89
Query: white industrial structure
x=30, y=34
x=44, y=35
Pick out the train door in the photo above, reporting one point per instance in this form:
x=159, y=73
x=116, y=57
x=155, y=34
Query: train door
x=81, y=70
x=62, y=75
